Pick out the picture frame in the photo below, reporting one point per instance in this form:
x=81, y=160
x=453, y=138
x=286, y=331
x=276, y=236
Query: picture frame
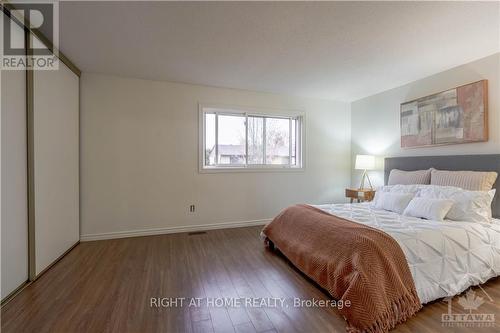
x=454, y=116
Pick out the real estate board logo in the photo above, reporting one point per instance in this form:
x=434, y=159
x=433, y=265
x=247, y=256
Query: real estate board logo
x=19, y=52
x=472, y=315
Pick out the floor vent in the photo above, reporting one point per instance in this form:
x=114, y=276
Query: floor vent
x=196, y=233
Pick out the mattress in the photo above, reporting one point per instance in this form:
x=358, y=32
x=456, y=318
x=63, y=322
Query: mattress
x=445, y=258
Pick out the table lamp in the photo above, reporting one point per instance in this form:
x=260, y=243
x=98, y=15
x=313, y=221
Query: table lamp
x=365, y=163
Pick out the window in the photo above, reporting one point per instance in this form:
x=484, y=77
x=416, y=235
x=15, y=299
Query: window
x=244, y=139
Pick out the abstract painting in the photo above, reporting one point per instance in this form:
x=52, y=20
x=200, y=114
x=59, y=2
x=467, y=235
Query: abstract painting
x=458, y=115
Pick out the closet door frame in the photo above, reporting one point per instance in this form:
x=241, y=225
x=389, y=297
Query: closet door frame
x=29, y=34
x=30, y=117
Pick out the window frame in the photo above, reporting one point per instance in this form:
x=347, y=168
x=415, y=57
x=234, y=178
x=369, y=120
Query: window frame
x=248, y=112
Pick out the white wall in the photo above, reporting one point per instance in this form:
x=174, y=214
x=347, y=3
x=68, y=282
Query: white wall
x=139, y=158
x=375, y=119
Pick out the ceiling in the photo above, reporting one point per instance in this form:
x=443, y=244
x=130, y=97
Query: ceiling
x=334, y=50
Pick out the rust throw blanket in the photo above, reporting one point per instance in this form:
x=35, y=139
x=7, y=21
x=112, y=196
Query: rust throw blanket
x=352, y=262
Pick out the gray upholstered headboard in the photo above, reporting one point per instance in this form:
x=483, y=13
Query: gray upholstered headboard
x=454, y=163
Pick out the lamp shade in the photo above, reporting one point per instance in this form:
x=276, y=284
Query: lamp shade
x=365, y=162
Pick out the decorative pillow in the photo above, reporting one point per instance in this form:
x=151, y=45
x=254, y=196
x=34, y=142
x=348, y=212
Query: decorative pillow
x=401, y=188
x=430, y=209
x=409, y=177
x=468, y=180
x=470, y=206
x=405, y=189
x=394, y=202
x=492, y=193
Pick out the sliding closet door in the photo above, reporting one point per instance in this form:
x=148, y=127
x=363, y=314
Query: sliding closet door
x=14, y=225
x=56, y=163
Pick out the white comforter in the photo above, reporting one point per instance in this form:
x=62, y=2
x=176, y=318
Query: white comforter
x=445, y=258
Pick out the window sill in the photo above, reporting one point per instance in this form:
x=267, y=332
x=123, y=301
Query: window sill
x=251, y=169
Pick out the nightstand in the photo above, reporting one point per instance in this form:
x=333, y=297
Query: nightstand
x=359, y=194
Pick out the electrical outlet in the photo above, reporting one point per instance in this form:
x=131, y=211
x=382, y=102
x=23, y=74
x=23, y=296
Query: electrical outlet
x=191, y=209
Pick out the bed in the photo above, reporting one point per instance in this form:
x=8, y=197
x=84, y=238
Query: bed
x=444, y=257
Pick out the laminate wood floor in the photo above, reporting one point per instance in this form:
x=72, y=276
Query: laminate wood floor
x=107, y=286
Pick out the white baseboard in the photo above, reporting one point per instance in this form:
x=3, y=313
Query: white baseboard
x=171, y=230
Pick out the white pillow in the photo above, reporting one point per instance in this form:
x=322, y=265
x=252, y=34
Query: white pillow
x=470, y=206
x=407, y=189
x=492, y=193
x=394, y=202
x=414, y=188
x=430, y=209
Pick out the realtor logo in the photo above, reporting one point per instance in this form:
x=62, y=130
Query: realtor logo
x=42, y=18
x=471, y=302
